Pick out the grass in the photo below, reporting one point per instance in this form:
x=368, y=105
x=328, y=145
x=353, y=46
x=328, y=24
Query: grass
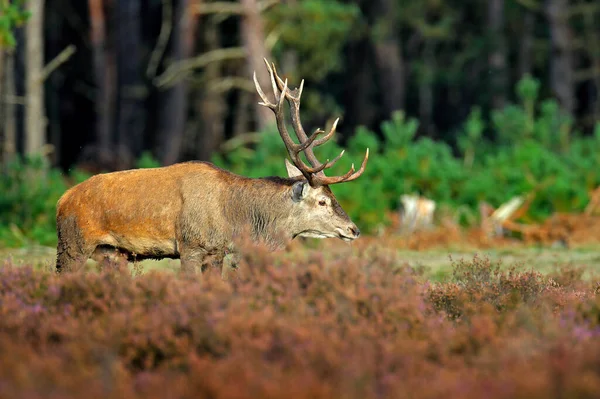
x=434, y=263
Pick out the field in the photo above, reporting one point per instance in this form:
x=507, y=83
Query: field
x=321, y=320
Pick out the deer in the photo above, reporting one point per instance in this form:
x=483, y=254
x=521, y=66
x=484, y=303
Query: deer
x=193, y=210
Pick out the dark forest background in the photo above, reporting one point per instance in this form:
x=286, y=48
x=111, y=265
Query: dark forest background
x=173, y=77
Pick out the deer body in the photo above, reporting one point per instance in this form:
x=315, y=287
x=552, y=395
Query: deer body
x=194, y=210
x=189, y=211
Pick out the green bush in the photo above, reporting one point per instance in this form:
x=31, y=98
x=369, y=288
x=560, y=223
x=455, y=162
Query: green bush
x=30, y=190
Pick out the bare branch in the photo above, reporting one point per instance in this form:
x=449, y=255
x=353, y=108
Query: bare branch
x=14, y=100
x=166, y=28
x=229, y=8
x=230, y=83
x=180, y=70
x=60, y=59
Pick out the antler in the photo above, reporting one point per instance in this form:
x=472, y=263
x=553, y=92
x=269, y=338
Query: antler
x=314, y=173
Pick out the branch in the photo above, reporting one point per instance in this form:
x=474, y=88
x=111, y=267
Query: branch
x=587, y=74
x=583, y=9
x=531, y=5
x=234, y=82
x=60, y=59
x=14, y=100
x=228, y=8
x=163, y=38
x=240, y=141
x=181, y=69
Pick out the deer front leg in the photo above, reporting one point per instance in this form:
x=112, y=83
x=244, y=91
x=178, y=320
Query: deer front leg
x=229, y=261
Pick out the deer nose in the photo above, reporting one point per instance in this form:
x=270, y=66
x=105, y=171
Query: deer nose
x=354, y=230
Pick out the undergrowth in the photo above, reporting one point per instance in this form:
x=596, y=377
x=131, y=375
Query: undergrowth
x=316, y=325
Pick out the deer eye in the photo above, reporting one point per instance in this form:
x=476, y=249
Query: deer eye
x=322, y=203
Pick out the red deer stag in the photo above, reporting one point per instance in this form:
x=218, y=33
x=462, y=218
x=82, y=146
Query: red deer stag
x=193, y=210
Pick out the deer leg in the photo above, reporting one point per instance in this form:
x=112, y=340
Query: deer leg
x=72, y=250
x=192, y=260
x=229, y=261
x=110, y=257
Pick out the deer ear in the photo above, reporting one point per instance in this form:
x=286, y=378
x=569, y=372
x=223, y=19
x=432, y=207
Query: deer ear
x=299, y=191
x=291, y=169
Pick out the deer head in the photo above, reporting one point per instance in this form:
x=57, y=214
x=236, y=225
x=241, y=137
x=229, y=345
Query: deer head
x=317, y=211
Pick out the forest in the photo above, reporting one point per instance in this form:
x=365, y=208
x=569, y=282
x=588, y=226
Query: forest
x=98, y=83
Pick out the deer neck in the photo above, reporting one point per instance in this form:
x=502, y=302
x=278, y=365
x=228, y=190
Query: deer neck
x=264, y=208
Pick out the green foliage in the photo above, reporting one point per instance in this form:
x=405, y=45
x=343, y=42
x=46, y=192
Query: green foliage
x=146, y=160
x=30, y=190
x=12, y=15
x=317, y=30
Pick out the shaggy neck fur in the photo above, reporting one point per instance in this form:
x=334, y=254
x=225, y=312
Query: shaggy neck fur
x=265, y=207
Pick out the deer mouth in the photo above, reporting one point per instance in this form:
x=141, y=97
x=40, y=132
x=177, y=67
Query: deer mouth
x=342, y=236
x=315, y=234
x=345, y=238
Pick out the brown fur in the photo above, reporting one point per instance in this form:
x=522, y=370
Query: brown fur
x=188, y=211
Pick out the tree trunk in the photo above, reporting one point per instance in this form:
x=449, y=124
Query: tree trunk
x=358, y=90
x=211, y=105
x=35, y=119
x=55, y=80
x=561, y=61
x=497, y=55
x=174, y=109
x=426, y=88
x=592, y=32
x=3, y=108
x=388, y=58
x=105, y=82
x=130, y=118
x=242, y=111
x=253, y=37
x=289, y=58
x=7, y=105
x=526, y=44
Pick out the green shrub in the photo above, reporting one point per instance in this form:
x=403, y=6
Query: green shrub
x=30, y=190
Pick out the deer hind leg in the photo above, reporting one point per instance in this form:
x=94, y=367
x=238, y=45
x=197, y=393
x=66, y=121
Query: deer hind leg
x=72, y=250
x=193, y=260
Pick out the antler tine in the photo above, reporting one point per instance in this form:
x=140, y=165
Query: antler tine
x=349, y=176
x=293, y=95
x=311, y=139
x=329, y=135
x=261, y=93
x=274, y=78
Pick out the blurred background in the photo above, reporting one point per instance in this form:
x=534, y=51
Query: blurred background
x=469, y=104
